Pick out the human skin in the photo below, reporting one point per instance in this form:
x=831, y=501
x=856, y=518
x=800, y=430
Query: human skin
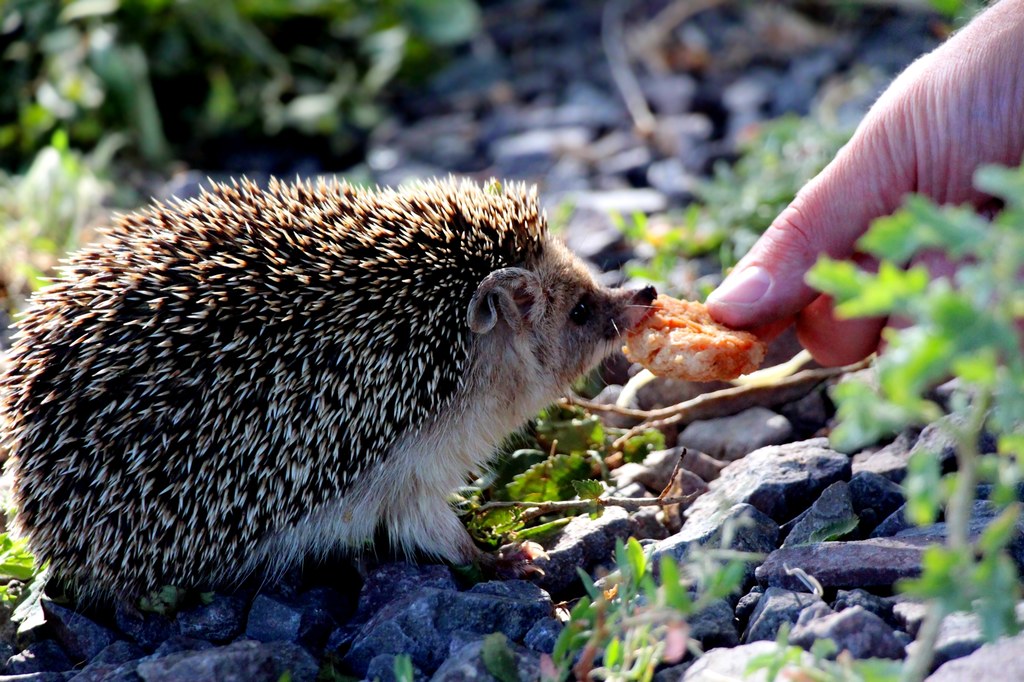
x=953, y=110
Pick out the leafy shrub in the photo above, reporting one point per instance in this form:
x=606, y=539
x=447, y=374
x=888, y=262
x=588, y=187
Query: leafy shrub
x=737, y=204
x=184, y=72
x=968, y=327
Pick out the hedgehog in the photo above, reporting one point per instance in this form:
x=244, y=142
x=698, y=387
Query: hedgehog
x=255, y=376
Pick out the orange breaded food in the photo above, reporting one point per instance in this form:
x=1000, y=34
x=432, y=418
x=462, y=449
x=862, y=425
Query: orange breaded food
x=679, y=340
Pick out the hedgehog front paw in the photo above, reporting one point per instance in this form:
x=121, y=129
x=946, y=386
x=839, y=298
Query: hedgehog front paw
x=513, y=561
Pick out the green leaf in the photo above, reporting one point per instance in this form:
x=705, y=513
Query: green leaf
x=551, y=479
x=443, y=22
x=922, y=485
x=639, y=446
x=632, y=560
x=588, y=489
x=613, y=653
x=498, y=658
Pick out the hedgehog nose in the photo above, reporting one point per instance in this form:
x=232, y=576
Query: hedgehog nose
x=645, y=296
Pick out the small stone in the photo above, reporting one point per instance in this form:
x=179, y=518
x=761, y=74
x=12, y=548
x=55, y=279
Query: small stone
x=778, y=480
x=746, y=605
x=751, y=531
x=622, y=201
x=876, y=562
x=244, y=661
x=466, y=663
x=830, y=517
x=713, y=626
x=178, y=643
x=855, y=630
x=960, y=634
x=382, y=669
x=116, y=663
x=423, y=623
x=593, y=235
x=670, y=94
x=874, y=499
x=731, y=664
x=80, y=637
x=880, y=606
x=584, y=543
x=390, y=582
x=147, y=629
x=543, y=635
x=219, y=621
x=776, y=607
x=808, y=414
x=40, y=657
x=730, y=438
x=1002, y=658
x=671, y=177
x=306, y=621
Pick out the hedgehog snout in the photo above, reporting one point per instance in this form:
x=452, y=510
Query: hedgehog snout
x=639, y=306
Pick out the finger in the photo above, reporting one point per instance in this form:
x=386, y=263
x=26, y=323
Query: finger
x=834, y=341
x=867, y=179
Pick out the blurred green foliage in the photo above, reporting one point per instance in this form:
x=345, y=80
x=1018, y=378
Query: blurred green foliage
x=740, y=200
x=180, y=73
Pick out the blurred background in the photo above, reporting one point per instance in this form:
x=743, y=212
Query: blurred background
x=664, y=135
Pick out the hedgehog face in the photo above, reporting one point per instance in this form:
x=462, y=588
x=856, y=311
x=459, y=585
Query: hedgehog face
x=553, y=322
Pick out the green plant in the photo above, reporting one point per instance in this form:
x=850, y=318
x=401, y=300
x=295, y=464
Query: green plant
x=16, y=563
x=636, y=620
x=966, y=327
x=733, y=208
x=183, y=72
x=44, y=211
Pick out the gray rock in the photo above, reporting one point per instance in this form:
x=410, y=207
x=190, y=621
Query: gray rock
x=308, y=620
x=390, y=582
x=382, y=669
x=889, y=461
x=219, y=621
x=147, y=629
x=116, y=663
x=244, y=661
x=670, y=94
x=746, y=605
x=80, y=637
x=713, y=626
x=178, y=643
x=594, y=236
x=534, y=152
x=1002, y=658
x=625, y=202
x=808, y=414
x=40, y=677
x=960, y=634
x=776, y=607
x=466, y=664
x=856, y=630
x=778, y=480
x=583, y=543
x=876, y=562
x=874, y=499
x=684, y=137
x=751, y=531
x=880, y=606
x=730, y=438
x=731, y=664
x=423, y=623
x=543, y=635
x=671, y=177
x=645, y=524
x=830, y=517
x=893, y=524
x=39, y=657
x=673, y=673
x=983, y=513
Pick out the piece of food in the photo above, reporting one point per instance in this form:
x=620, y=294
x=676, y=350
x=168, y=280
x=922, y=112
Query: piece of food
x=679, y=340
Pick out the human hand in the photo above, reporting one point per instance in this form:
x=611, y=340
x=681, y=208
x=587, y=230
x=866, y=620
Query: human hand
x=957, y=108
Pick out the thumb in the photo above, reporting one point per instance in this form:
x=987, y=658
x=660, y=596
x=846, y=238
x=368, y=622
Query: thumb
x=830, y=213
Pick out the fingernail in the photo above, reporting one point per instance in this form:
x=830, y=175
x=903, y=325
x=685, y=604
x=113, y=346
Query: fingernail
x=744, y=287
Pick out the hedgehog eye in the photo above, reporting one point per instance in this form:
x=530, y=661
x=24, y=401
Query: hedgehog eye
x=580, y=313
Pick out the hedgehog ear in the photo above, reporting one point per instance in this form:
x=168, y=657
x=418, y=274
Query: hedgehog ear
x=514, y=294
